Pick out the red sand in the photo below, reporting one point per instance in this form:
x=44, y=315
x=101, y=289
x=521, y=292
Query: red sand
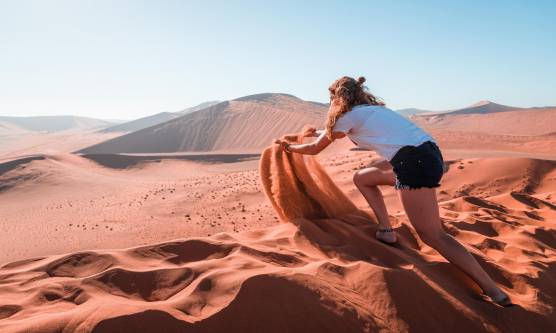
x=244, y=123
x=323, y=272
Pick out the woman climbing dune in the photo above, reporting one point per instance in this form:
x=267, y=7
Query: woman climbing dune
x=415, y=168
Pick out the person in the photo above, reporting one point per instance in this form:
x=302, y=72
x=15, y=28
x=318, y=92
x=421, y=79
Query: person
x=416, y=169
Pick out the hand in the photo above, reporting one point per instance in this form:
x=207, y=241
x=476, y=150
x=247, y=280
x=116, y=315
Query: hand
x=309, y=131
x=283, y=144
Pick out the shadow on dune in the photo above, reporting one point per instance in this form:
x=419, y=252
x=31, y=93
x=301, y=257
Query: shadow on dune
x=8, y=166
x=120, y=161
x=265, y=303
x=320, y=271
x=425, y=293
x=9, y=181
x=303, y=193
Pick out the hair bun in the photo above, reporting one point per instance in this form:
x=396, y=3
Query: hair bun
x=361, y=80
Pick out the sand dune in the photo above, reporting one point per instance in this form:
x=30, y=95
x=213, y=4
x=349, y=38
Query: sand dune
x=543, y=146
x=159, y=118
x=141, y=123
x=245, y=123
x=67, y=203
x=481, y=107
x=198, y=107
x=495, y=129
x=54, y=123
x=22, y=136
x=407, y=112
x=120, y=161
x=484, y=126
x=7, y=129
x=31, y=143
x=493, y=119
x=319, y=270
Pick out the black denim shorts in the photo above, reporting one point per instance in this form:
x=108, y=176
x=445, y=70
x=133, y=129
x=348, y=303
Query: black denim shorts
x=418, y=166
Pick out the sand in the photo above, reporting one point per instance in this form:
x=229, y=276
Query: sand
x=318, y=269
x=492, y=127
x=511, y=122
x=205, y=230
x=245, y=123
x=497, y=144
x=155, y=119
x=19, y=144
x=249, y=123
x=65, y=202
x=8, y=125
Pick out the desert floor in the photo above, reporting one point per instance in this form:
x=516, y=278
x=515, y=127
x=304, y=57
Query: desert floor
x=190, y=242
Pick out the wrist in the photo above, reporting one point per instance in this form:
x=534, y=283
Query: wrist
x=287, y=147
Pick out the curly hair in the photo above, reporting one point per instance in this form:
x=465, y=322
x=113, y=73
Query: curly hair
x=345, y=93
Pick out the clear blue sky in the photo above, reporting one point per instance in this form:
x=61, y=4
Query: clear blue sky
x=126, y=59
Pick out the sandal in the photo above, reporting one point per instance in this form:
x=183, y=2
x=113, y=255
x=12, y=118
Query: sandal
x=503, y=301
x=386, y=235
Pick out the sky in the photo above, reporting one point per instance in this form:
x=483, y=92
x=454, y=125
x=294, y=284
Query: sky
x=128, y=59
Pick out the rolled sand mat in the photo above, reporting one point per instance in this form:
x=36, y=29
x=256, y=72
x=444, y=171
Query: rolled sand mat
x=299, y=187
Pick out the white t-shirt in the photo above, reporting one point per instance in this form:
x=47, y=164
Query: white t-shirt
x=378, y=128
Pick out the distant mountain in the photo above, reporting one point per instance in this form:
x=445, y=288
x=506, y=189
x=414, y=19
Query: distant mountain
x=411, y=111
x=7, y=128
x=52, y=123
x=141, y=123
x=201, y=106
x=481, y=107
x=159, y=118
x=248, y=122
x=492, y=118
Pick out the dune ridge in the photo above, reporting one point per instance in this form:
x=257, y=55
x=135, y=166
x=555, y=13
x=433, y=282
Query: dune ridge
x=155, y=119
x=51, y=123
x=319, y=270
x=508, y=121
x=247, y=122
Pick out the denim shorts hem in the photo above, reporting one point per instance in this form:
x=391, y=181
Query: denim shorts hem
x=400, y=186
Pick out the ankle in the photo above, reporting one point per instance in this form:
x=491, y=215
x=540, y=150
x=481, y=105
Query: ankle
x=493, y=291
x=384, y=223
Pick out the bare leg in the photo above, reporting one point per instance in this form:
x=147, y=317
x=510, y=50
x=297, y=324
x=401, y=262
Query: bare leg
x=422, y=210
x=367, y=181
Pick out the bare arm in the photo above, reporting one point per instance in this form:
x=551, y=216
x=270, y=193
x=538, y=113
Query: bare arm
x=314, y=147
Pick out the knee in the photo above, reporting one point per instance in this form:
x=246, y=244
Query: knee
x=358, y=178
x=365, y=177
